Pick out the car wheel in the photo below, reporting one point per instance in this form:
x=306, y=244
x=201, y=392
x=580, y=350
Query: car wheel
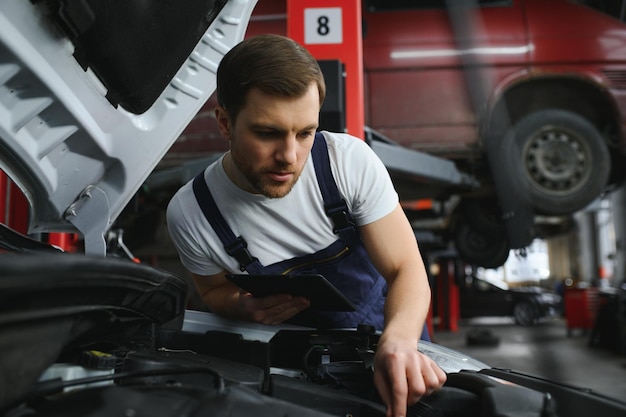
x=479, y=249
x=524, y=313
x=483, y=214
x=482, y=337
x=558, y=159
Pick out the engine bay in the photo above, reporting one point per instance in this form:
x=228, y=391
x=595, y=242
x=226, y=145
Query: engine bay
x=91, y=336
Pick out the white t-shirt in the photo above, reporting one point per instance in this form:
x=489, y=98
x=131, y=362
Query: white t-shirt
x=280, y=228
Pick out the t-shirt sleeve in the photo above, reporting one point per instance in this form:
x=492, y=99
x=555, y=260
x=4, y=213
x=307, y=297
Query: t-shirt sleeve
x=187, y=241
x=363, y=179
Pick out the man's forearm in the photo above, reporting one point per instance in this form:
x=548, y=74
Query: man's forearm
x=225, y=302
x=407, y=304
x=219, y=295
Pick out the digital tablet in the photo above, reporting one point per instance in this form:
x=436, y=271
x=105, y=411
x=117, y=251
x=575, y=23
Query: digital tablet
x=322, y=294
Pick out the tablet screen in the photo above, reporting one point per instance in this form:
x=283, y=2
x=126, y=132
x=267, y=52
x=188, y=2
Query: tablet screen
x=322, y=294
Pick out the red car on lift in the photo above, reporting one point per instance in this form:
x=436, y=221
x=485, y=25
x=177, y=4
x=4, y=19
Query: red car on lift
x=525, y=95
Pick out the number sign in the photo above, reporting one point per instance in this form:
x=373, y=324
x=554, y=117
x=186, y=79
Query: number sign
x=323, y=25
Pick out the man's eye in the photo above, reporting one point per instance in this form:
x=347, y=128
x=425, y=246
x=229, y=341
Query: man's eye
x=305, y=135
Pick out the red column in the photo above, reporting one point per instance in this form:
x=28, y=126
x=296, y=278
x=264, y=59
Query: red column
x=4, y=197
x=66, y=241
x=331, y=30
x=454, y=302
x=14, y=210
x=447, y=297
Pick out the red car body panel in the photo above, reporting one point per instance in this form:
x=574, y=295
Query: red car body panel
x=417, y=92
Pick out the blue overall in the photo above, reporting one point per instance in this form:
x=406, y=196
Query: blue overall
x=345, y=263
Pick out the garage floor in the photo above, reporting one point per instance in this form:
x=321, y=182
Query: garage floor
x=544, y=350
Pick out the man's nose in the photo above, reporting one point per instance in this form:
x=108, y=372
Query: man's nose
x=286, y=152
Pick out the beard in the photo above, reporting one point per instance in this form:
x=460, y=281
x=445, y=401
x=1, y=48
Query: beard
x=261, y=182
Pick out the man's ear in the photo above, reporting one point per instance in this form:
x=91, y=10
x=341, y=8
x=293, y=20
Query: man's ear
x=223, y=122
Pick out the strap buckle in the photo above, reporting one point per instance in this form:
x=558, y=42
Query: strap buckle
x=239, y=250
x=341, y=218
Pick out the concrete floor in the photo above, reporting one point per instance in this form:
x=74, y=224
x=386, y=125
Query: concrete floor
x=546, y=351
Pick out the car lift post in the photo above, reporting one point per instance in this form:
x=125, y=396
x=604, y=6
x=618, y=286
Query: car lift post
x=13, y=205
x=332, y=30
x=448, y=302
x=14, y=213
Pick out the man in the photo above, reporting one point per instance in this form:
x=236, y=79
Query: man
x=285, y=201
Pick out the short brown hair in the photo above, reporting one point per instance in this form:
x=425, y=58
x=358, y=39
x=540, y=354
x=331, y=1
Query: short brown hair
x=274, y=64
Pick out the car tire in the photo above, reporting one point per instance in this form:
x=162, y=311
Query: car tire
x=478, y=248
x=525, y=313
x=481, y=337
x=557, y=159
x=483, y=214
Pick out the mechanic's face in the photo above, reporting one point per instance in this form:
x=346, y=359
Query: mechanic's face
x=270, y=141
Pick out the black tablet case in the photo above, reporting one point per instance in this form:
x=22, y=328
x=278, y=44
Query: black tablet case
x=322, y=294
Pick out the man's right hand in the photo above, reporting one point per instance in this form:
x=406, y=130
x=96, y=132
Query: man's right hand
x=226, y=299
x=273, y=309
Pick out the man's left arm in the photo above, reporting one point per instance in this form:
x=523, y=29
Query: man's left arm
x=402, y=374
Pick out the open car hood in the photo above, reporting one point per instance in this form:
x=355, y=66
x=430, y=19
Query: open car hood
x=93, y=94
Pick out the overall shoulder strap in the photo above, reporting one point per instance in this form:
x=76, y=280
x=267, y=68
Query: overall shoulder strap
x=234, y=246
x=334, y=205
